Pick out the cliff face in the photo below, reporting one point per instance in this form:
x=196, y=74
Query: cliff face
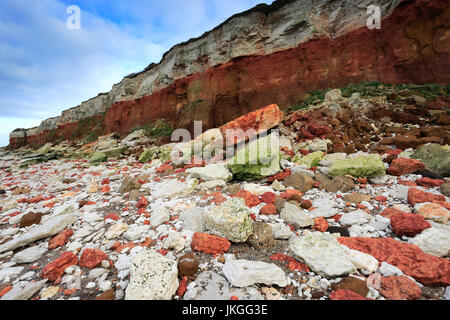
x=269, y=54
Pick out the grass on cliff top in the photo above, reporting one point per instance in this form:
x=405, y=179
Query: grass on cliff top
x=156, y=129
x=371, y=89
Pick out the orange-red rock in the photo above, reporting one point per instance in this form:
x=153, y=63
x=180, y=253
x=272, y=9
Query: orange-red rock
x=291, y=263
x=402, y=166
x=418, y=196
x=268, y=197
x=142, y=203
x=56, y=268
x=207, y=243
x=320, y=224
x=91, y=258
x=250, y=199
x=428, y=182
x=60, y=239
x=425, y=268
x=408, y=224
x=268, y=209
x=389, y=212
x=182, y=287
x=343, y=294
x=251, y=124
x=399, y=288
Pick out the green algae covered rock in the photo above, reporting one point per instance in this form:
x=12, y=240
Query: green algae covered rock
x=359, y=166
x=435, y=158
x=259, y=159
x=98, y=157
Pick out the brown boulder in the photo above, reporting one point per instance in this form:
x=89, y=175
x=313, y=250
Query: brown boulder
x=354, y=284
x=30, y=219
x=299, y=181
x=402, y=166
x=408, y=224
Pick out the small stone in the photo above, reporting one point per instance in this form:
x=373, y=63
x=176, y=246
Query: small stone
x=244, y=273
x=207, y=243
x=187, y=265
x=30, y=219
x=261, y=237
x=292, y=214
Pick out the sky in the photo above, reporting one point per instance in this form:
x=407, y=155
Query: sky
x=46, y=67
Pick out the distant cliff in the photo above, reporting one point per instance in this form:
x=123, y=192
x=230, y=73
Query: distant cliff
x=268, y=54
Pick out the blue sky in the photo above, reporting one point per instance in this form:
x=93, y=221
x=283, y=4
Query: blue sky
x=46, y=68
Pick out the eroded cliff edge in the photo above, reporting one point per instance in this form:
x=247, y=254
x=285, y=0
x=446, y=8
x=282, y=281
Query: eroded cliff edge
x=269, y=54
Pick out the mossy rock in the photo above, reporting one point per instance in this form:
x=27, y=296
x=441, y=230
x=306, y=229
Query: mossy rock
x=114, y=152
x=360, y=166
x=435, y=157
x=259, y=159
x=311, y=160
x=148, y=155
x=98, y=157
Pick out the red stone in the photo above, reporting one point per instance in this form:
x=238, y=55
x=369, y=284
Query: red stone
x=55, y=269
x=291, y=263
x=424, y=268
x=268, y=197
x=407, y=183
x=402, y=166
x=163, y=168
x=182, y=287
x=142, y=203
x=5, y=290
x=428, y=182
x=268, y=209
x=380, y=198
x=399, y=288
x=320, y=224
x=251, y=124
x=343, y=294
x=250, y=199
x=105, y=181
x=61, y=239
x=418, y=196
x=389, y=212
x=408, y=224
x=280, y=176
x=91, y=258
x=112, y=216
x=207, y=243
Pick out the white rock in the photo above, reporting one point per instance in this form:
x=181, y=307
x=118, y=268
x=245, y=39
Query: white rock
x=388, y=270
x=244, y=273
x=30, y=254
x=231, y=220
x=323, y=254
x=174, y=241
x=280, y=231
x=210, y=172
x=153, y=277
x=51, y=227
x=433, y=241
x=212, y=184
x=193, y=219
x=97, y=272
x=24, y=290
x=8, y=272
x=173, y=188
x=123, y=262
x=356, y=217
x=116, y=230
x=159, y=216
x=136, y=232
x=361, y=260
x=292, y=214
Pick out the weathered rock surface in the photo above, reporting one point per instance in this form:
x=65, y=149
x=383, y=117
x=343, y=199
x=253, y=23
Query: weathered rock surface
x=244, y=273
x=153, y=277
x=323, y=254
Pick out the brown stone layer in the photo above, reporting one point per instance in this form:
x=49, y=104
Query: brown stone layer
x=412, y=46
